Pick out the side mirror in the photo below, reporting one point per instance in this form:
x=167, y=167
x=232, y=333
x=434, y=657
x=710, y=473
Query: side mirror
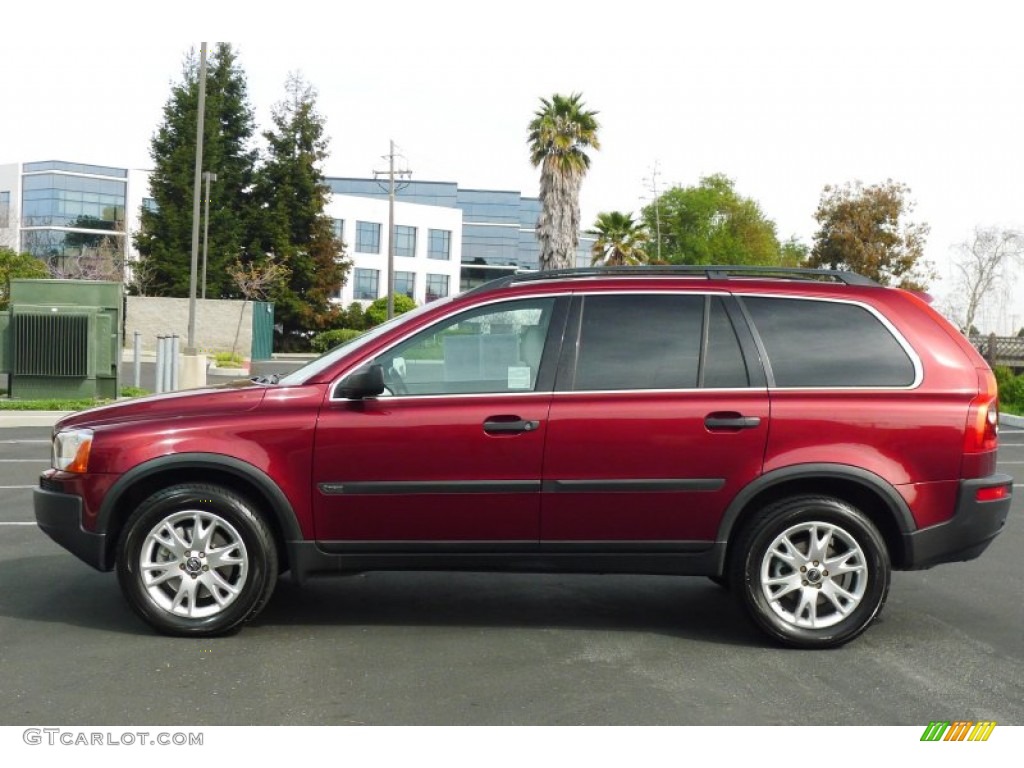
x=366, y=382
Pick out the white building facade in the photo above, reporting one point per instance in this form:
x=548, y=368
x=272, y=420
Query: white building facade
x=428, y=248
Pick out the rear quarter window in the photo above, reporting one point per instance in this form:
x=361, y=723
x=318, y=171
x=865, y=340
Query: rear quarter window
x=814, y=343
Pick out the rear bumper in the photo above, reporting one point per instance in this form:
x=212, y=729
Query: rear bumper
x=968, y=533
x=59, y=515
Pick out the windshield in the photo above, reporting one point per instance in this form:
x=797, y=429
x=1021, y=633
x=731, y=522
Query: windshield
x=329, y=358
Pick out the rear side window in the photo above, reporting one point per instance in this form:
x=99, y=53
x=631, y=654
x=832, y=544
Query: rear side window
x=655, y=341
x=828, y=344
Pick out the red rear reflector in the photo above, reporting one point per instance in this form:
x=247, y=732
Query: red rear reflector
x=992, y=494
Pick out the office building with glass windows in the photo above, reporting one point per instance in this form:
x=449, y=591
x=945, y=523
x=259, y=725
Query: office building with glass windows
x=498, y=226
x=447, y=239
x=59, y=211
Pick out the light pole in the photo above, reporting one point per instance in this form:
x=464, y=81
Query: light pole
x=208, y=177
x=191, y=349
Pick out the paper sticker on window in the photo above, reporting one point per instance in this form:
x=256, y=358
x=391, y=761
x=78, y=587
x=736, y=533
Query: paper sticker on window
x=519, y=377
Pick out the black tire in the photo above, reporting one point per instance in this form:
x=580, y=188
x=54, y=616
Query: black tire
x=212, y=582
x=813, y=607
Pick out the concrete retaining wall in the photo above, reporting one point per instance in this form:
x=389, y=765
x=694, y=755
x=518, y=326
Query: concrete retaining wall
x=222, y=325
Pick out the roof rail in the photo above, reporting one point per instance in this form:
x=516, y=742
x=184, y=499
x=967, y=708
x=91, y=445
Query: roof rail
x=711, y=272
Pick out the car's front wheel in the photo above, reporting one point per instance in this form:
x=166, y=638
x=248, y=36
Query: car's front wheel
x=812, y=571
x=196, y=560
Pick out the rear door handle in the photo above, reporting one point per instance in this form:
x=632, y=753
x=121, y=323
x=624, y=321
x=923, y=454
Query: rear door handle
x=722, y=421
x=509, y=426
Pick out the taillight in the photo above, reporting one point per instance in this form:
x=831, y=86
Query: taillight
x=982, y=432
x=992, y=494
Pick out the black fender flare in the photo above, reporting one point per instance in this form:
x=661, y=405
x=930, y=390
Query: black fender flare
x=897, y=505
x=280, y=507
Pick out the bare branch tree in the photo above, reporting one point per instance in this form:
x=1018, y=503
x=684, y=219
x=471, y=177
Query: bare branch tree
x=984, y=269
x=256, y=281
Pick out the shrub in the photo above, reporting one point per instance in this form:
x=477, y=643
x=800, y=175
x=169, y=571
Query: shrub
x=1012, y=391
x=330, y=339
x=377, y=312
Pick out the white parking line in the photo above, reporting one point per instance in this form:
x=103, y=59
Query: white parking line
x=19, y=442
x=17, y=523
x=14, y=487
x=23, y=461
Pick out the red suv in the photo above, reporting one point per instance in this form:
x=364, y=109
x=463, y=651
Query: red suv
x=792, y=434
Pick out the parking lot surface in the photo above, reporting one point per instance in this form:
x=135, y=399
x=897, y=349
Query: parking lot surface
x=438, y=648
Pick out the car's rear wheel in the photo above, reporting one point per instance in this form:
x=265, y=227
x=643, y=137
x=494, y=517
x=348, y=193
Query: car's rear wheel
x=196, y=560
x=811, y=571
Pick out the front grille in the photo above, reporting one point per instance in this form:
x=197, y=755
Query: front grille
x=49, y=484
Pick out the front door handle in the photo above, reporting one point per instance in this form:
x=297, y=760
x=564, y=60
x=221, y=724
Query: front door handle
x=497, y=426
x=730, y=421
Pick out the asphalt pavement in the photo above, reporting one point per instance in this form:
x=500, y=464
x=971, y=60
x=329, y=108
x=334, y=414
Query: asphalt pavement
x=437, y=648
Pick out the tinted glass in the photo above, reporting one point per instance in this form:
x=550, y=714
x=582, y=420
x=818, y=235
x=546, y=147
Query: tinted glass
x=639, y=342
x=724, y=366
x=828, y=344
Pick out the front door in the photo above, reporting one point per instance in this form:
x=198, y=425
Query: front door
x=453, y=452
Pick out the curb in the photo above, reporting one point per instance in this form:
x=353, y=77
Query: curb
x=1009, y=420
x=31, y=418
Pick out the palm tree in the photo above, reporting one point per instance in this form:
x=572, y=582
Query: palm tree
x=559, y=133
x=620, y=240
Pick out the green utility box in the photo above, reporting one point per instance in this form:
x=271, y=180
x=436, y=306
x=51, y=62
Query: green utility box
x=62, y=339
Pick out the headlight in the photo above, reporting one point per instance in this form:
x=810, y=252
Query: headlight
x=71, y=450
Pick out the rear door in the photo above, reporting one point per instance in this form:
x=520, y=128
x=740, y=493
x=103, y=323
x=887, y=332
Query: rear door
x=660, y=416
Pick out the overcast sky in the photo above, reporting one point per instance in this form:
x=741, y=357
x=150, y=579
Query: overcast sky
x=783, y=97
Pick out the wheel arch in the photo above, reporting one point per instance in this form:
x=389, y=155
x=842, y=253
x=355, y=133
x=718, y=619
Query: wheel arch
x=870, y=493
x=243, y=478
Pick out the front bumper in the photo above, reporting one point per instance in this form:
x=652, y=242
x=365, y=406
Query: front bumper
x=968, y=533
x=59, y=515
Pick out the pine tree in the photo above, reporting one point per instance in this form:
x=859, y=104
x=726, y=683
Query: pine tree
x=296, y=230
x=165, y=240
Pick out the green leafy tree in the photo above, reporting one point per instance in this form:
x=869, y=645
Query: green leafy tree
x=794, y=253
x=865, y=230
x=164, y=241
x=560, y=133
x=711, y=223
x=620, y=240
x=296, y=230
x=14, y=265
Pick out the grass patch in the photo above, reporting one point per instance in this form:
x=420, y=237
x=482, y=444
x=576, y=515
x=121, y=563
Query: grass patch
x=49, y=405
x=228, y=359
x=58, y=404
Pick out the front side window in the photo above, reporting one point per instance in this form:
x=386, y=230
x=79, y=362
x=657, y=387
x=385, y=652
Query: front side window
x=366, y=283
x=828, y=344
x=367, y=237
x=493, y=349
x=405, y=241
